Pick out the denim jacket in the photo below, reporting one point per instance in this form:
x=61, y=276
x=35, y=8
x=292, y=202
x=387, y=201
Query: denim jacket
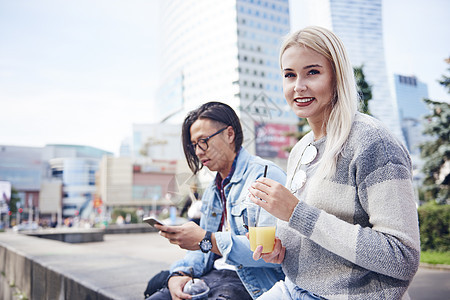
x=257, y=276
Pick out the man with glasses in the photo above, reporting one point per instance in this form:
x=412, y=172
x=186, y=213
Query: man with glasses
x=219, y=252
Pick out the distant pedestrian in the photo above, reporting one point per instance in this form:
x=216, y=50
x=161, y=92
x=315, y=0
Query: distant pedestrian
x=192, y=205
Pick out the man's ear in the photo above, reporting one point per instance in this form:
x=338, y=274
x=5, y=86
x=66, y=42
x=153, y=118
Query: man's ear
x=231, y=135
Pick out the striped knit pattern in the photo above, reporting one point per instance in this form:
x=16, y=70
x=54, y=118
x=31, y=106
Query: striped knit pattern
x=356, y=235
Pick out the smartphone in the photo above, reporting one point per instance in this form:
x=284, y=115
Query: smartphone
x=152, y=221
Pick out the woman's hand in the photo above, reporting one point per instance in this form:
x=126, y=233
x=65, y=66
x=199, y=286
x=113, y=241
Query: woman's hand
x=274, y=257
x=276, y=199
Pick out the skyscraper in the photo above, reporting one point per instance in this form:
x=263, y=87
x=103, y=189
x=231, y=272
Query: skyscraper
x=359, y=24
x=228, y=51
x=409, y=94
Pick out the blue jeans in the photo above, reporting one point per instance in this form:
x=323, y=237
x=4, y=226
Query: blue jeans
x=286, y=290
x=223, y=285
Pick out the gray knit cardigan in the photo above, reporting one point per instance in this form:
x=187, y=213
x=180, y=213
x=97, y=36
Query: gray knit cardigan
x=356, y=235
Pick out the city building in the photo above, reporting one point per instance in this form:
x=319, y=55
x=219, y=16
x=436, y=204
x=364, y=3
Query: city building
x=160, y=141
x=228, y=51
x=409, y=95
x=75, y=167
x=141, y=183
x=22, y=167
x=52, y=180
x=359, y=25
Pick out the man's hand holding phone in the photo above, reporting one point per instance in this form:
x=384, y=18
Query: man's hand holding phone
x=187, y=236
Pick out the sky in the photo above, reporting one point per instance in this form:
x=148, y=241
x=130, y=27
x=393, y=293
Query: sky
x=83, y=72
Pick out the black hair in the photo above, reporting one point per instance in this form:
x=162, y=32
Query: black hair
x=214, y=111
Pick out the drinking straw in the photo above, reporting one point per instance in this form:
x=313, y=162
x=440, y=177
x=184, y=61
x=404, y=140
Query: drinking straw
x=258, y=210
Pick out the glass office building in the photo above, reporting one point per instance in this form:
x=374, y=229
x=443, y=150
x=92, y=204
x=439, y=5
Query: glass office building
x=359, y=24
x=22, y=167
x=28, y=168
x=78, y=180
x=409, y=95
x=228, y=51
x=75, y=166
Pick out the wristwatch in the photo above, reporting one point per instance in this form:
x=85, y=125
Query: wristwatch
x=206, y=244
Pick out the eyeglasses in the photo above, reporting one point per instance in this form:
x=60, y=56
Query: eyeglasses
x=203, y=143
x=299, y=178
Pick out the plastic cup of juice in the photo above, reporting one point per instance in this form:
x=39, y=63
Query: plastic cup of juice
x=262, y=227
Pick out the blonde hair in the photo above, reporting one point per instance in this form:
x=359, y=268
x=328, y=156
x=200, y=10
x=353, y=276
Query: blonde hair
x=344, y=104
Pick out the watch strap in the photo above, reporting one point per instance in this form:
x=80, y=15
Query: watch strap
x=208, y=236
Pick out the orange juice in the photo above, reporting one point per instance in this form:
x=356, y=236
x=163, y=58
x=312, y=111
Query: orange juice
x=264, y=236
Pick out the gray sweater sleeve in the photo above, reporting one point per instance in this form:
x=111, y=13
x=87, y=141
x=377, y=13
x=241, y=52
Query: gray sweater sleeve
x=366, y=213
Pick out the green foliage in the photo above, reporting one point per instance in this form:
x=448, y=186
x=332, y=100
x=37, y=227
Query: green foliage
x=436, y=152
x=13, y=201
x=434, y=227
x=364, y=89
x=433, y=257
x=123, y=212
x=303, y=129
x=445, y=81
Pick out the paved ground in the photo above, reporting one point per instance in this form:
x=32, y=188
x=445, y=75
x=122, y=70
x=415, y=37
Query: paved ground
x=129, y=260
x=428, y=284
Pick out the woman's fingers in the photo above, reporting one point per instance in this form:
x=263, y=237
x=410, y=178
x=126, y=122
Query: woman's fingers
x=258, y=252
x=281, y=256
x=276, y=256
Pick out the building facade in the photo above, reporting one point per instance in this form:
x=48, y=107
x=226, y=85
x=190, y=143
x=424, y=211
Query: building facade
x=360, y=26
x=22, y=167
x=409, y=95
x=140, y=183
x=228, y=51
x=159, y=141
x=55, y=179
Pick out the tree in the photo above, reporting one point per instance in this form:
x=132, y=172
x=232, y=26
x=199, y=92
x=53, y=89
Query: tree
x=364, y=89
x=302, y=129
x=445, y=81
x=436, y=153
x=13, y=201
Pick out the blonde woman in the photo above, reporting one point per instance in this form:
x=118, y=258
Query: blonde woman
x=348, y=226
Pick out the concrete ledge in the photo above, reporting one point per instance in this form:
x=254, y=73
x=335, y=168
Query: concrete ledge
x=88, y=235
x=32, y=268
x=69, y=235
x=129, y=228
x=435, y=266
